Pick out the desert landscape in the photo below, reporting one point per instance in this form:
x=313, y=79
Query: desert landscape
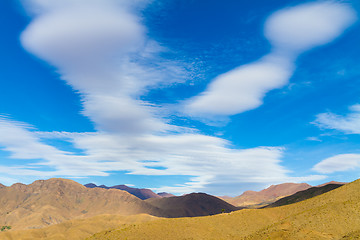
x=179, y=119
x=64, y=209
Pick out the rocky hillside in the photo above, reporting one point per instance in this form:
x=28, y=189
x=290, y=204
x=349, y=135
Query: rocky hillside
x=266, y=196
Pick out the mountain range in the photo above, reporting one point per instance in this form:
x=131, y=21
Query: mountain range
x=331, y=215
x=64, y=209
x=305, y=194
x=253, y=199
x=47, y=202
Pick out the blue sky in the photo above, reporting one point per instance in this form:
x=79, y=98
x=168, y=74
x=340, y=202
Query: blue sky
x=180, y=96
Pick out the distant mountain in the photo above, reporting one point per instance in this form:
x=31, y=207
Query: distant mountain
x=332, y=182
x=165, y=194
x=47, y=202
x=332, y=215
x=306, y=194
x=191, y=205
x=141, y=193
x=266, y=196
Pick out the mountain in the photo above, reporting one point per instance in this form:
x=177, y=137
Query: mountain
x=332, y=215
x=191, y=205
x=165, y=194
x=332, y=182
x=141, y=193
x=47, y=202
x=305, y=194
x=266, y=196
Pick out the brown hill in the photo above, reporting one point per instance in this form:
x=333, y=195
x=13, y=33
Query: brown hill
x=332, y=182
x=142, y=193
x=305, y=194
x=165, y=194
x=191, y=205
x=266, y=196
x=47, y=202
x=332, y=215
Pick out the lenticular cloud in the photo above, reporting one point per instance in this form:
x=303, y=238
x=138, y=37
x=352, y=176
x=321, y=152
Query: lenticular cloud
x=291, y=31
x=96, y=45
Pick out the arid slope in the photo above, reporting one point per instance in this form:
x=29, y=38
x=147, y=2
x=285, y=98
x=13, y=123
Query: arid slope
x=191, y=205
x=305, y=194
x=266, y=196
x=47, y=202
x=332, y=215
x=142, y=193
x=76, y=229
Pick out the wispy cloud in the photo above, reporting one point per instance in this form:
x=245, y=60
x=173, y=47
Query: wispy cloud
x=316, y=139
x=349, y=124
x=291, y=31
x=208, y=159
x=101, y=49
x=338, y=163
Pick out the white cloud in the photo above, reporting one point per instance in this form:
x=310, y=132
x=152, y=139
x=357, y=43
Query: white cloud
x=85, y=42
x=349, y=124
x=291, y=31
x=338, y=163
x=101, y=49
x=17, y=139
x=303, y=27
x=316, y=139
x=208, y=159
x=242, y=88
x=123, y=115
x=37, y=7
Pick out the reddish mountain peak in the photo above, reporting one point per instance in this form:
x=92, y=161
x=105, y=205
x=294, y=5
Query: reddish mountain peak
x=270, y=194
x=142, y=193
x=165, y=194
x=18, y=186
x=284, y=189
x=55, y=183
x=249, y=193
x=331, y=182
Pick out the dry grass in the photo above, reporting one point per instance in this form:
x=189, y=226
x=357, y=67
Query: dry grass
x=76, y=229
x=333, y=215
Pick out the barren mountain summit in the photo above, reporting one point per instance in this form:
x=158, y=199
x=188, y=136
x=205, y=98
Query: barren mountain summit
x=47, y=202
x=268, y=195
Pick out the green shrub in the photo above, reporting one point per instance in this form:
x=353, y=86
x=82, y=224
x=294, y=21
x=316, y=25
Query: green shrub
x=4, y=228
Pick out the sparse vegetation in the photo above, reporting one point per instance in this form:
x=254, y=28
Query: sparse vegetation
x=4, y=228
